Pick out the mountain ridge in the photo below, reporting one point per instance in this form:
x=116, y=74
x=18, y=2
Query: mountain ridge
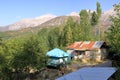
x=52, y=20
x=28, y=22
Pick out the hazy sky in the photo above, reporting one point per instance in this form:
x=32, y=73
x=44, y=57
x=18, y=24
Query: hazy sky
x=14, y=10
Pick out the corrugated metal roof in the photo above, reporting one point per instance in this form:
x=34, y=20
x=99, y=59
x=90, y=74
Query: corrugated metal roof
x=85, y=45
x=57, y=53
x=90, y=73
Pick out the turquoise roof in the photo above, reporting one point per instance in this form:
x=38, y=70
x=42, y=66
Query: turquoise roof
x=57, y=53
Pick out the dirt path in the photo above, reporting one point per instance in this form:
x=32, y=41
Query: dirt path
x=76, y=66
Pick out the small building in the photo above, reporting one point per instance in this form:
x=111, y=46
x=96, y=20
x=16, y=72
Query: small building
x=90, y=73
x=57, y=57
x=96, y=50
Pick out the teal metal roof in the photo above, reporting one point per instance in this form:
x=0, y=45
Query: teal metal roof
x=57, y=53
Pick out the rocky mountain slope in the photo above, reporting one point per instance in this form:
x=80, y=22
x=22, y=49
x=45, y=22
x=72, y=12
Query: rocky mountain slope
x=105, y=22
x=59, y=21
x=30, y=22
x=2, y=29
x=52, y=20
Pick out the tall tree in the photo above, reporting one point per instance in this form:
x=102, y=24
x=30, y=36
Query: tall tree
x=68, y=36
x=114, y=39
x=114, y=31
x=53, y=37
x=94, y=19
x=43, y=40
x=99, y=10
x=76, y=31
x=67, y=32
x=85, y=25
x=96, y=14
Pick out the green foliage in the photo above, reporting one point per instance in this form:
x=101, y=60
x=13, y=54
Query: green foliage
x=113, y=36
x=43, y=40
x=94, y=19
x=85, y=25
x=116, y=64
x=4, y=66
x=67, y=32
x=12, y=47
x=114, y=31
x=6, y=73
x=99, y=10
x=4, y=35
x=84, y=18
x=96, y=15
x=53, y=37
x=76, y=31
x=29, y=55
x=20, y=55
x=117, y=74
x=68, y=37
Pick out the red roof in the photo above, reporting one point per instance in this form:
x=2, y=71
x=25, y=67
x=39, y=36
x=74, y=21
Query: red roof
x=86, y=45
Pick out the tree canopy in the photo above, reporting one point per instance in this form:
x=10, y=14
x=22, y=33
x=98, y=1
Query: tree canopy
x=114, y=31
x=85, y=25
x=99, y=10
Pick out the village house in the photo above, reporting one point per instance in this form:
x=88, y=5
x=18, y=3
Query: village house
x=88, y=50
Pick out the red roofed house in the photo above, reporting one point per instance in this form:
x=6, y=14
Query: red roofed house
x=96, y=50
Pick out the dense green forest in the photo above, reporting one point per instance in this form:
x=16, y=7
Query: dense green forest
x=20, y=54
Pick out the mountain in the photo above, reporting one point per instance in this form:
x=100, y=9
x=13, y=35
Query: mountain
x=2, y=29
x=28, y=26
x=30, y=22
x=25, y=31
x=59, y=21
x=73, y=14
x=52, y=20
x=106, y=15
x=105, y=19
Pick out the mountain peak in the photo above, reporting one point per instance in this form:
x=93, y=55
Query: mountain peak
x=31, y=22
x=46, y=16
x=73, y=14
